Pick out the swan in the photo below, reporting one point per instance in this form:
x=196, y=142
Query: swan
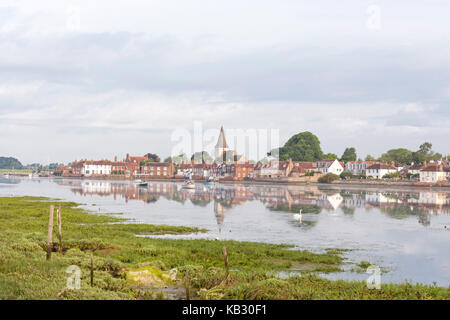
x=298, y=216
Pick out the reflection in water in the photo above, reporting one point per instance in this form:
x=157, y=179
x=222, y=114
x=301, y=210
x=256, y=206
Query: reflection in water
x=405, y=231
x=293, y=199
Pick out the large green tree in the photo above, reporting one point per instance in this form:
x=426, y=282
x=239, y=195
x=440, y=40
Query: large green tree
x=349, y=155
x=330, y=156
x=10, y=163
x=425, y=153
x=399, y=155
x=303, y=146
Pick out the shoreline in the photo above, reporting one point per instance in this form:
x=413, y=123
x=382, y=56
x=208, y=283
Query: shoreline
x=340, y=184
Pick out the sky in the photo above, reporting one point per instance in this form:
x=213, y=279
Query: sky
x=95, y=79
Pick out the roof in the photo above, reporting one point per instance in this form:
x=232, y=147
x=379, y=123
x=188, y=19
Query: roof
x=303, y=165
x=157, y=164
x=416, y=166
x=436, y=168
x=222, y=142
x=382, y=166
x=98, y=162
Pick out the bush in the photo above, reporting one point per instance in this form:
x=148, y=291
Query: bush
x=346, y=175
x=328, y=178
x=362, y=176
x=392, y=175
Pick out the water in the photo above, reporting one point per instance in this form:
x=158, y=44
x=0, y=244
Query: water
x=404, y=231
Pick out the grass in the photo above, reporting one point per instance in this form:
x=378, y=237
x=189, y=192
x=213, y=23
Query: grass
x=119, y=254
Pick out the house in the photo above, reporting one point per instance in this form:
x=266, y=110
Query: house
x=63, y=171
x=257, y=168
x=201, y=171
x=275, y=168
x=415, y=168
x=241, y=171
x=101, y=167
x=434, y=173
x=119, y=168
x=157, y=170
x=300, y=168
x=358, y=167
x=184, y=170
x=378, y=171
x=77, y=168
x=237, y=171
x=330, y=166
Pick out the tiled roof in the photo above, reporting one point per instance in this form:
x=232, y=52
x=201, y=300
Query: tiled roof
x=382, y=166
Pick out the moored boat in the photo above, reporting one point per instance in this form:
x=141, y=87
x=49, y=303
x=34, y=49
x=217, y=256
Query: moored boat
x=188, y=185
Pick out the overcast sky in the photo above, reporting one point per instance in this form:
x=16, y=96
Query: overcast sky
x=92, y=79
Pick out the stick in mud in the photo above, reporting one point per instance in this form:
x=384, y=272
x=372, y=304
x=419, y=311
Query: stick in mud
x=50, y=233
x=225, y=258
x=92, y=269
x=187, y=286
x=59, y=229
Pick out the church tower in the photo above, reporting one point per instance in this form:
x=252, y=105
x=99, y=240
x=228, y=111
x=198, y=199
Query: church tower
x=221, y=146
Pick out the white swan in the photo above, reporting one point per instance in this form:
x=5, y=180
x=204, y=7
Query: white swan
x=298, y=216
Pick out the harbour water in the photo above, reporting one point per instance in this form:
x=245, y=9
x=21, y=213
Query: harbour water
x=406, y=232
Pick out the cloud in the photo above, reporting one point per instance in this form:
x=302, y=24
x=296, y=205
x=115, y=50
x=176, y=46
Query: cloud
x=139, y=71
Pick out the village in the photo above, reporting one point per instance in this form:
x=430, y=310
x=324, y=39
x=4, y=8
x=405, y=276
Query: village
x=230, y=166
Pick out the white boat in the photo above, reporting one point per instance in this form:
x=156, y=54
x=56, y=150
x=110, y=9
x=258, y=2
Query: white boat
x=188, y=185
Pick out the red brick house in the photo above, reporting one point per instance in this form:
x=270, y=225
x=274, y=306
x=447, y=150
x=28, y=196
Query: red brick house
x=157, y=170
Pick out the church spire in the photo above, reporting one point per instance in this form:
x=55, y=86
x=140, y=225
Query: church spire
x=222, y=142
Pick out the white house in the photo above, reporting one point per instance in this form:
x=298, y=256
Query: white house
x=329, y=166
x=358, y=167
x=434, y=173
x=101, y=167
x=416, y=168
x=378, y=171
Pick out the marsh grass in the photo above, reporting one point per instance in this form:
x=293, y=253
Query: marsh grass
x=25, y=274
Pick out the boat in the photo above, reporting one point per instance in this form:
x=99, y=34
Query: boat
x=143, y=184
x=188, y=185
x=138, y=181
x=209, y=182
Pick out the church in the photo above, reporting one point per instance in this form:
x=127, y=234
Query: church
x=223, y=153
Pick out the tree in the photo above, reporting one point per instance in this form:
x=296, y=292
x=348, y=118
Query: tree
x=303, y=146
x=168, y=159
x=399, y=155
x=349, y=155
x=370, y=158
x=330, y=156
x=203, y=156
x=10, y=163
x=425, y=153
x=346, y=175
x=328, y=178
x=153, y=156
x=180, y=158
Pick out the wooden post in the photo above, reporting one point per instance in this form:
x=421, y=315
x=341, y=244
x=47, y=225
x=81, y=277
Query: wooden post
x=59, y=229
x=92, y=270
x=187, y=284
x=50, y=233
x=225, y=258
